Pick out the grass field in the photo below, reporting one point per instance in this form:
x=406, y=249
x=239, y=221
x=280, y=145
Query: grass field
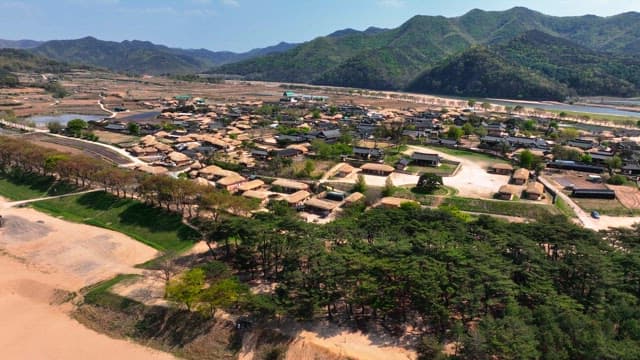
x=564, y=208
x=30, y=186
x=467, y=154
x=442, y=170
x=507, y=208
x=605, y=207
x=149, y=225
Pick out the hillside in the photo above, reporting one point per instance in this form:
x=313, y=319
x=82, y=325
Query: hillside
x=535, y=66
x=15, y=60
x=143, y=56
x=392, y=59
x=18, y=44
x=479, y=72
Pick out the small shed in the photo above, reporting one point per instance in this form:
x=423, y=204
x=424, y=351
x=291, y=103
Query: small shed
x=290, y=186
x=501, y=169
x=535, y=191
x=424, y=159
x=507, y=192
x=520, y=176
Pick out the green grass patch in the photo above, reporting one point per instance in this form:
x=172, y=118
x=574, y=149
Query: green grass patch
x=605, y=207
x=507, y=208
x=152, y=226
x=442, y=170
x=20, y=186
x=99, y=294
x=564, y=208
x=468, y=154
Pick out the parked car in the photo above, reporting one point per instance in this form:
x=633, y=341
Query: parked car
x=595, y=214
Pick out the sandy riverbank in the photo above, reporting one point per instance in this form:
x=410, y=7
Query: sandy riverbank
x=42, y=260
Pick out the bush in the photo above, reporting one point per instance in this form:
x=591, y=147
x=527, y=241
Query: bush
x=617, y=180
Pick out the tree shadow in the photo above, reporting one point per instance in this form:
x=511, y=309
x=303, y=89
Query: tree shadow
x=101, y=201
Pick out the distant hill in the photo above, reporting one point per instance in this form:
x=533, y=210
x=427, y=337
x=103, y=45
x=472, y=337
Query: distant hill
x=534, y=65
x=395, y=58
x=16, y=60
x=18, y=44
x=143, y=56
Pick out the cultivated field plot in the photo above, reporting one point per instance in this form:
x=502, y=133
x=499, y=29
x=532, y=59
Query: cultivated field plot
x=90, y=149
x=628, y=196
x=570, y=179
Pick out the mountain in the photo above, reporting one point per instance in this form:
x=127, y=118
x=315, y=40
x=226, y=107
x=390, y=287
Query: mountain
x=18, y=44
x=394, y=58
x=16, y=60
x=143, y=56
x=536, y=66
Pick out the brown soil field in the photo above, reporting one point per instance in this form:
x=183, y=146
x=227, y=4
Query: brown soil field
x=628, y=196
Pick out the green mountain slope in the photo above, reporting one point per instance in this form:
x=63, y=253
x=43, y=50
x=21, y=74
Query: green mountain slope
x=143, y=56
x=480, y=72
x=15, y=60
x=544, y=66
x=391, y=59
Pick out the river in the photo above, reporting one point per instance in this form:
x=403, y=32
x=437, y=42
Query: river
x=63, y=119
x=566, y=107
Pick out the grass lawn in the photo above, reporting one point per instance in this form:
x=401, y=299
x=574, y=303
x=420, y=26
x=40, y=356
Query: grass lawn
x=442, y=170
x=564, y=208
x=149, y=225
x=467, y=154
x=508, y=208
x=30, y=186
x=605, y=207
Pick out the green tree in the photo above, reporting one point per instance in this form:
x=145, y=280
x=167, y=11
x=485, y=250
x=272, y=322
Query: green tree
x=526, y=159
x=133, y=128
x=54, y=127
x=428, y=183
x=360, y=185
x=454, y=133
x=76, y=126
x=486, y=106
x=586, y=158
x=615, y=162
x=468, y=128
x=389, y=189
x=471, y=103
x=187, y=289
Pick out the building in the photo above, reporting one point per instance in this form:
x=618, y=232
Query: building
x=320, y=207
x=251, y=185
x=260, y=154
x=631, y=169
x=354, y=198
x=261, y=196
x=297, y=199
x=289, y=186
x=377, y=169
x=535, y=191
x=231, y=183
x=365, y=153
x=345, y=170
x=520, y=176
x=584, y=144
x=287, y=153
x=572, y=165
x=594, y=193
x=507, y=192
x=424, y=159
x=501, y=169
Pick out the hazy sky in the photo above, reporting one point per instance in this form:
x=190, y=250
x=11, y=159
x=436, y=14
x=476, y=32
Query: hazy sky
x=240, y=25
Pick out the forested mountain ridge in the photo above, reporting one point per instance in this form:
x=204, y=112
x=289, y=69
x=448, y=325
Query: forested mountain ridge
x=143, y=56
x=393, y=59
x=536, y=66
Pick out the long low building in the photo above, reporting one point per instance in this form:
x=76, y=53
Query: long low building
x=594, y=193
x=377, y=169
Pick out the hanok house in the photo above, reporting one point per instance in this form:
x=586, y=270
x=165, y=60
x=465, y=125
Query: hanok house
x=631, y=169
x=289, y=186
x=501, y=169
x=320, y=207
x=584, y=144
x=535, y=191
x=297, y=199
x=507, y=192
x=231, y=183
x=377, y=169
x=287, y=153
x=365, y=153
x=520, y=176
x=261, y=196
x=179, y=159
x=353, y=198
x=345, y=170
x=251, y=185
x=260, y=154
x=424, y=159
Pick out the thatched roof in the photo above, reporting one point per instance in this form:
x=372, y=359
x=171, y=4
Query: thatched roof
x=355, y=197
x=178, y=157
x=297, y=197
x=394, y=201
x=502, y=166
x=521, y=174
x=231, y=180
x=508, y=189
x=251, y=185
x=321, y=204
x=255, y=194
x=535, y=188
x=377, y=167
x=290, y=184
